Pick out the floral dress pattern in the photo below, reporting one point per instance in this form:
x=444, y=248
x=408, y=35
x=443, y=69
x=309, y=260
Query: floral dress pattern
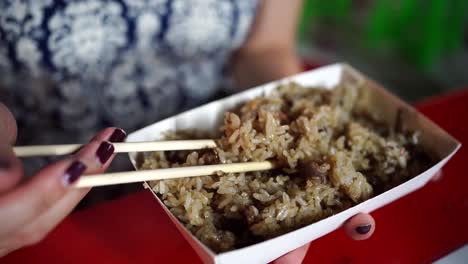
x=70, y=67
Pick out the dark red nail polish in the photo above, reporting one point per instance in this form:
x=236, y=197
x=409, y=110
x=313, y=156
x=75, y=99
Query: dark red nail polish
x=104, y=151
x=73, y=172
x=118, y=135
x=364, y=229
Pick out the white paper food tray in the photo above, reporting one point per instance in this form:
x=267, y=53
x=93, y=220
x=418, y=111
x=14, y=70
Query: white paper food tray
x=209, y=117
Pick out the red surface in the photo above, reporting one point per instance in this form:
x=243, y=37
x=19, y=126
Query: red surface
x=418, y=228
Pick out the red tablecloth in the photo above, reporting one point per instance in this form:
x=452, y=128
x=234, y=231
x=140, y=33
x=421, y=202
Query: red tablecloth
x=418, y=228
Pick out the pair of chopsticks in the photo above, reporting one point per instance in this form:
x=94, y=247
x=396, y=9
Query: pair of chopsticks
x=145, y=175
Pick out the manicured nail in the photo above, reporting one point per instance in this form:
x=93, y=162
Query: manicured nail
x=104, y=151
x=73, y=173
x=118, y=135
x=363, y=229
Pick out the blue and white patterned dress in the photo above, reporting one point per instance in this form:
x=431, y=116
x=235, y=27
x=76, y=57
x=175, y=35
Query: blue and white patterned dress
x=69, y=68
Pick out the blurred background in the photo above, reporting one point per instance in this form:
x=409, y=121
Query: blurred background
x=416, y=48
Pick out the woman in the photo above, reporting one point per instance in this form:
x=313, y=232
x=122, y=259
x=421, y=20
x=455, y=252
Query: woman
x=69, y=68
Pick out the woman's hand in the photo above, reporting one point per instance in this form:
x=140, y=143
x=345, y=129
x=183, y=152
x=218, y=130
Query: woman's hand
x=30, y=210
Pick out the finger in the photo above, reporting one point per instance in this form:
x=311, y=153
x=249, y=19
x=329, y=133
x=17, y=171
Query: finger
x=49, y=185
x=40, y=227
x=360, y=226
x=5, y=251
x=40, y=193
x=36, y=231
x=112, y=134
x=295, y=256
x=10, y=167
x=8, y=127
x=437, y=176
x=101, y=152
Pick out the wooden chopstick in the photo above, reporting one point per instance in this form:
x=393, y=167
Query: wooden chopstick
x=146, y=175
x=171, y=173
x=55, y=150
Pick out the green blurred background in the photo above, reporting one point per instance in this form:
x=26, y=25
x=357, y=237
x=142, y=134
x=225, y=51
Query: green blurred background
x=417, y=48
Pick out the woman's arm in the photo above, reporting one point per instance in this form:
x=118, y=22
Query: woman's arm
x=269, y=52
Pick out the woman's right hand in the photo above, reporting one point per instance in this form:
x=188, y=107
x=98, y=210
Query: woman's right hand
x=29, y=210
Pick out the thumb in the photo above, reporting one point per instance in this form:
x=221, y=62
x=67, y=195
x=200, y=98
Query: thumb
x=10, y=167
x=8, y=129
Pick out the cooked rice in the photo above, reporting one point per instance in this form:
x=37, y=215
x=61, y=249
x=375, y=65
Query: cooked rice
x=332, y=155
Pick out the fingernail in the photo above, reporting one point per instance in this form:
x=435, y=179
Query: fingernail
x=118, y=135
x=73, y=173
x=363, y=229
x=104, y=151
